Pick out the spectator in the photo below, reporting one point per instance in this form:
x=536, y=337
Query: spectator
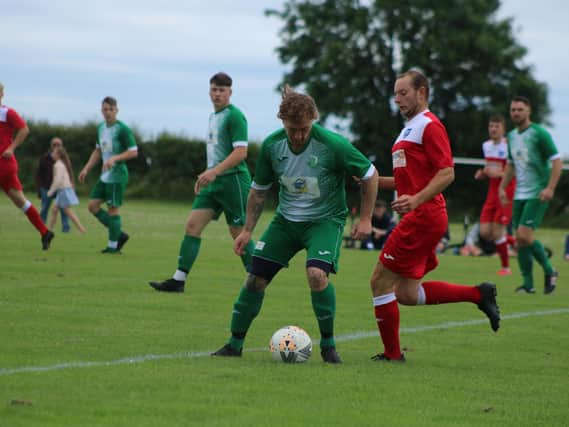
x=382, y=224
x=44, y=177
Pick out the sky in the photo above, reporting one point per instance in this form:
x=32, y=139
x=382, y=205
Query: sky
x=59, y=59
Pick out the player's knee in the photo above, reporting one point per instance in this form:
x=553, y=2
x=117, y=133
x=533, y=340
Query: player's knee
x=406, y=296
x=317, y=279
x=93, y=206
x=255, y=283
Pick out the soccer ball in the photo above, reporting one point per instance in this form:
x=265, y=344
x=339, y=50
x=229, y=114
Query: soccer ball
x=290, y=344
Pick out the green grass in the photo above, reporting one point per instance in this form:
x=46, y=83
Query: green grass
x=71, y=305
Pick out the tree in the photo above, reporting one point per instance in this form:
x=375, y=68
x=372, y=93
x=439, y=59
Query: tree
x=348, y=53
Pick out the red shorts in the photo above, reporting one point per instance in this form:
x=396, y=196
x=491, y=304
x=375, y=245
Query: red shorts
x=410, y=248
x=494, y=211
x=9, y=179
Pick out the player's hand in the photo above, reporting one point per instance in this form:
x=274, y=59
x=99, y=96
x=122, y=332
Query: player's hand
x=8, y=152
x=241, y=241
x=405, y=203
x=503, y=197
x=82, y=176
x=362, y=230
x=204, y=179
x=546, y=195
x=109, y=163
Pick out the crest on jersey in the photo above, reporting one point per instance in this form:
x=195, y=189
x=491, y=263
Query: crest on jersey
x=312, y=161
x=407, y=132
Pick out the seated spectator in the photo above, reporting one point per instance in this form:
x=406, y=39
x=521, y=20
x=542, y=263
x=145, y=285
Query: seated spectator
x=567, y=248
x=382, y=224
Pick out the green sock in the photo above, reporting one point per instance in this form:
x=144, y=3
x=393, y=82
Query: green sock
x=103, y=217
x=114, y=227
x=525, y=260
x=539, y=254
x=189, y=250
x=245, y=309
x=248, y=255
x=324, y=305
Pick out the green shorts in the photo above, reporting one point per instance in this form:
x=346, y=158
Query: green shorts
x=283, y=239
x=227, y=194
x=111, y=193
x=528, y=213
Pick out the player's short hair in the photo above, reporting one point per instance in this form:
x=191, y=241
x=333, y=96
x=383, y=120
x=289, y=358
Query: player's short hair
x=296, y=106
x=418, y=80
x=497, y=118
x=110, y=100
x=1, y=86
x=221, y=79
x=523, y=99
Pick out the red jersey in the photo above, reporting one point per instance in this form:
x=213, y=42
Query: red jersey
x=419, y=152
x=10, y=121
x=496, y=156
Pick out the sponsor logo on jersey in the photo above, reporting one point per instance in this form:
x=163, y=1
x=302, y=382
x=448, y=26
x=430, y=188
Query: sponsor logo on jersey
x=399, y=159
x=387, y=256
x=260, y=245
x=324, y=252
x=300, y=185
x=281, y=158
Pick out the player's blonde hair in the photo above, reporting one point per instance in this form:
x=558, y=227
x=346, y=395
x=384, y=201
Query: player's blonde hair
x=296, y=106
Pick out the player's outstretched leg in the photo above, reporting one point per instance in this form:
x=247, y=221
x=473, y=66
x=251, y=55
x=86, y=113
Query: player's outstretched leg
x=169, y=285
x=488, y=304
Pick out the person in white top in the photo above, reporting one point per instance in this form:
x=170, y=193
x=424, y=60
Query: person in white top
x=62, y=187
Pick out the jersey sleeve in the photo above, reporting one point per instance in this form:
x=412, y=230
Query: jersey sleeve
x=437, y=146
x=238, y=129
x=127, y=139
x=264, y=173
x=353, y=161
x=547, y=145
x=15, y=120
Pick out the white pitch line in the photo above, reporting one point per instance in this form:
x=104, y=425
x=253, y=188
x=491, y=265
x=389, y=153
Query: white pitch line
x=195, y=354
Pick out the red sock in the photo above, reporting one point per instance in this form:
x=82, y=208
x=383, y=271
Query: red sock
x=502, y=249
x=444, y=293
x=36, y=220
x=387, y=318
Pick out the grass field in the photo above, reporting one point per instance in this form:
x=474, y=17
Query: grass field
x=84, y=341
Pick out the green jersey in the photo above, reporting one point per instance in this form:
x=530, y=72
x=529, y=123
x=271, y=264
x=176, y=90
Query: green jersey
x=113, y=140
x=227, y=130
x=531, y=152
x=312, y=182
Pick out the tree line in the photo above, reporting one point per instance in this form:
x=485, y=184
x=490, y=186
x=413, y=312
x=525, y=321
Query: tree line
x=168, y=165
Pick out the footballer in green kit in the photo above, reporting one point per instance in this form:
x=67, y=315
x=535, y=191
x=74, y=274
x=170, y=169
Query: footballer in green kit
x=310, y=164
x=535, y=162
x=222, y=187
x=115, y=145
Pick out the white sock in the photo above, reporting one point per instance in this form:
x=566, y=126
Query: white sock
x=180, y=275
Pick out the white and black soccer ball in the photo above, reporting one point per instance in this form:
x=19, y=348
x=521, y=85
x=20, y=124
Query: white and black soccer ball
x=291, y=344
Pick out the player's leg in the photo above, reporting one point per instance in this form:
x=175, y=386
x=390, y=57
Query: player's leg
x=323, y=241
x=13, y=189
x=275, y=248
x=114, y=193
x=533, y=215
x=501, y=241
x=232, y=196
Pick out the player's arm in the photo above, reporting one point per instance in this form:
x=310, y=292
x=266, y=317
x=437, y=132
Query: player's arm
x=94, y=158
x=19, y=137
x=130, y=153
x=238, y=154
x=255, y=206
x=442, y=179
x=368, y=195
x=386, y=183
x=509, y=173
x=548, y=192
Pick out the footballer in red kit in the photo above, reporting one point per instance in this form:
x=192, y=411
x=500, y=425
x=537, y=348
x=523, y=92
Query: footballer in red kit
x=422, y=168
x=495, y=216
x=13, y=131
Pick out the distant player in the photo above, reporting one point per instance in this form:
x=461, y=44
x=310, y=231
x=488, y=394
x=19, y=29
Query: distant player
x=13, y=131
x=495, y=216
x=222, y=187
x=115, y=145
x=310, y=164
x=422, y=169
x=535, y=162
